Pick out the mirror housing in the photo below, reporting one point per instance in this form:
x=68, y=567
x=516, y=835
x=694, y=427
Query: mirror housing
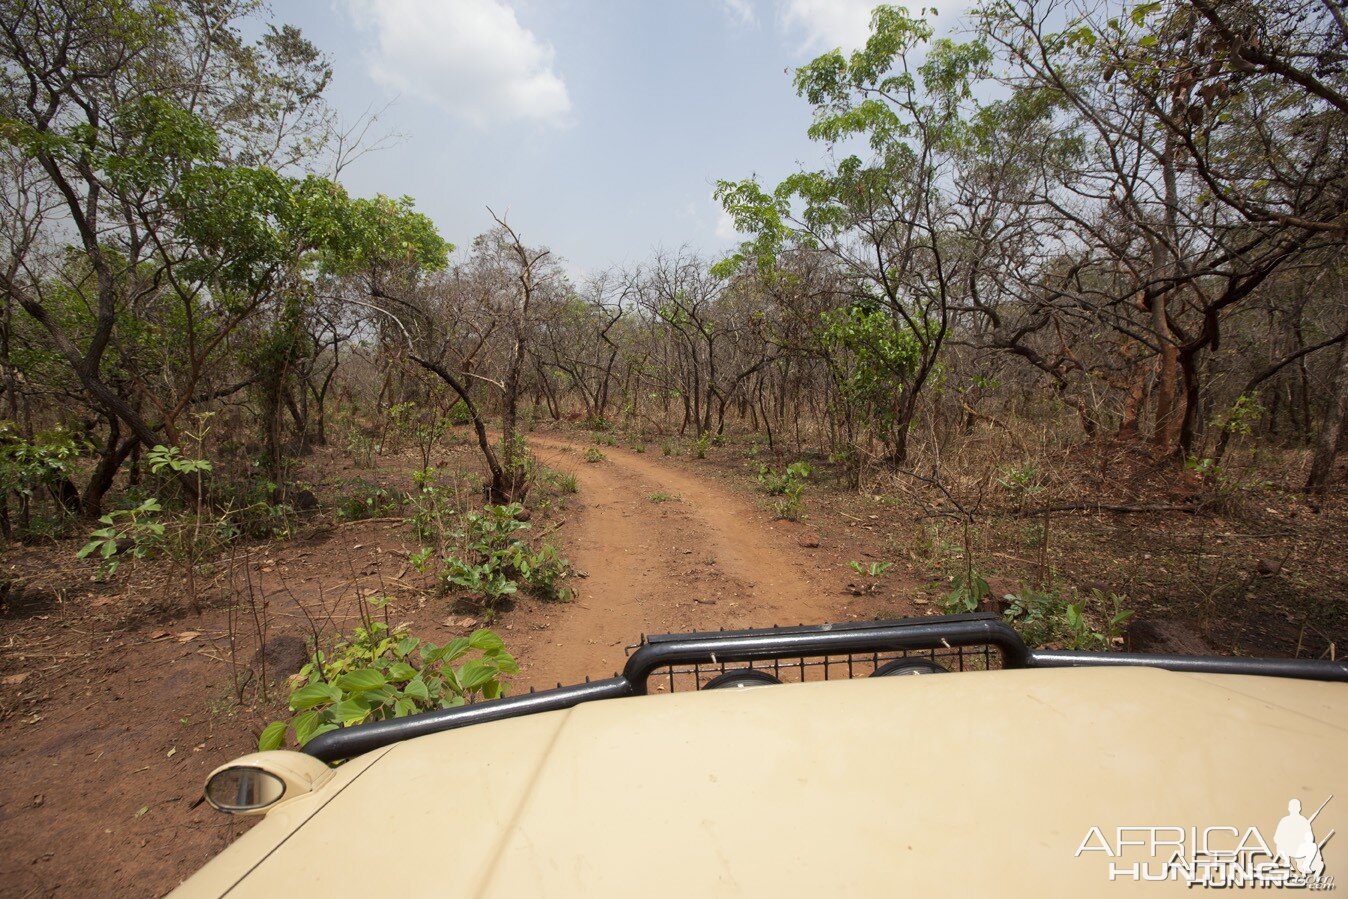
x=257, y=783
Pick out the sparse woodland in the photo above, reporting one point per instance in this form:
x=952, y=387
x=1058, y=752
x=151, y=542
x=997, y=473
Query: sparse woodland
x=1065, y=288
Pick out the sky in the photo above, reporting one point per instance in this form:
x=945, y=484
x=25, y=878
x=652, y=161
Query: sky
x=599, y=127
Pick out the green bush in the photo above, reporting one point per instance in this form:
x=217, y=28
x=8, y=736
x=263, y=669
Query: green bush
x=382, y=673
x=133, y=533
x=496, y=560
x=367, y=501
x=968, y=590
x=1045, y=618
x=789, y=484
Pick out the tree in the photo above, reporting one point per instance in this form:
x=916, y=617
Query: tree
x=133, y=134
x=886, y=221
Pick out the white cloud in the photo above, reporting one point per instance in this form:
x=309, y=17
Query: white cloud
x=740, y=12
x=825, y=24
x=472, y=58
x=725, y=227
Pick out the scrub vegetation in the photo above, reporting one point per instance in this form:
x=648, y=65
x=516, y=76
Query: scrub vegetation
x=1056, y=329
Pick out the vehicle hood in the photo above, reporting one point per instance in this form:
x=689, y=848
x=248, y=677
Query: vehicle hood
x=971, y=783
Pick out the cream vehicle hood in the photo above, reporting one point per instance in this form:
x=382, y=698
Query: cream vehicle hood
x=969, y=784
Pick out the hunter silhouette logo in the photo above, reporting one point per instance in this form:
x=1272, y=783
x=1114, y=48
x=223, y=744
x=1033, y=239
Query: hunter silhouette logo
x=1295, y=841
x=1222, y=856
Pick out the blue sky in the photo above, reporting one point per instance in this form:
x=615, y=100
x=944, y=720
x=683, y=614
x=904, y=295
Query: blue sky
x=600, y=125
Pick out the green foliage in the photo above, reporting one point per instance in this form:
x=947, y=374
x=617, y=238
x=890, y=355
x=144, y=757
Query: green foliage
x=381, y=673
x=44, y=463
x=431, y=504
x=1020, y=482
x=366, y=501
x=660, y=496
x=875, y=569
x=1045, y=618
x=667, y=448
x=780, y=484
x=700, y=445
x=874, y=357
x=562, y=481
x=458, y=414
x=133, y=533
x=789, y=485
x=496, y=559
x=594, y=455
x=967, y=591
x=169, y=458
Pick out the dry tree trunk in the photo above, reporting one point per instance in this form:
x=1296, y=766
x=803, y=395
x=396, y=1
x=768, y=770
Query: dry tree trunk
x=1331, y=431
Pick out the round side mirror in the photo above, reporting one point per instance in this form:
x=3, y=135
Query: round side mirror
x=256, y=782
x=244, y=789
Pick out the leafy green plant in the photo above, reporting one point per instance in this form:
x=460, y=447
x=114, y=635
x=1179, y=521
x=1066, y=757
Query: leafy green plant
x=1020, y=482
x=700, y=445
x=382, y=673
x=458, y=414
x=431, y=503
x=362, y=448
x=563, y=482
x=495, y=559
x=594, y=455
x=967, y=591
x=638, y=447
x=603, y=438
x=875, y=569
x=789, y=484
x=27, y=467
x=132, y=533
x=366, y=501
x=169, y=458
x=1046, y=618
x=661, y=496
x=668, y=449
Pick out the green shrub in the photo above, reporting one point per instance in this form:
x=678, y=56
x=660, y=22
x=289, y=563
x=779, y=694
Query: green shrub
x=382, y=673
x=1045, y=618
x=789, y=485
x=431, y=504
x=875, y=569
x=594, y=455
x=496, y=560
x=133, y=533
x=561, y=481
x=968, y=590
x=458, y=414
x=366, y=501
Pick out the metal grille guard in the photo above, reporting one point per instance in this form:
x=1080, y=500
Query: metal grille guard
x=938, y=638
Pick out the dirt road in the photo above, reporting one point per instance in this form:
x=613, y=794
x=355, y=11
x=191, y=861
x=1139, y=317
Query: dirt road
x=667, y=551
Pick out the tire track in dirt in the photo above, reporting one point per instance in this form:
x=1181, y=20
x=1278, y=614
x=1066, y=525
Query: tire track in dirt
x=708, y=559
